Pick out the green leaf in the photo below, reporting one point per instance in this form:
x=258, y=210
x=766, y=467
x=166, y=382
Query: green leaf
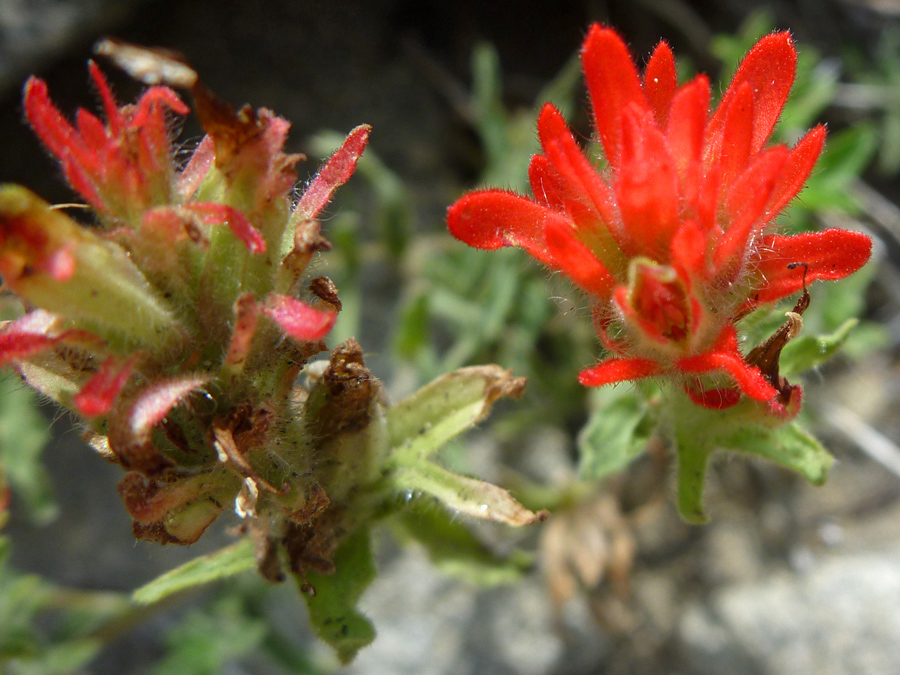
x=789, y=446
x=23, y=597
x=413, y=330
x=468, y=496
x=226, y=562
x=332, y=607
x=455, y=550
x=616, y=433
x=419, y=425
x=204, y=642
x=808, y=351
x=59, y=659
x=23, y=435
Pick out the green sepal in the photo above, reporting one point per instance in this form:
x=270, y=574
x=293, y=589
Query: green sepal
x=789, y=446
x=808, y=351
x=468, y=496
x=616, y=432
x=420, y=425
x=332, y=603
x=224, y=563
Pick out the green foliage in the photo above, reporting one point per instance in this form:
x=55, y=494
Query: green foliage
x=44, y=629
x=453, y=547
x=789, y=445
x=699, y=432
x=875, y=92
x=617, y=431
x=205, y=641
x=23, y=435
x=809, y=351
x=466, y=306
x=332, y=600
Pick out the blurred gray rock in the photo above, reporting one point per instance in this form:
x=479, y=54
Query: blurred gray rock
x=430, y=624
x=842, y=615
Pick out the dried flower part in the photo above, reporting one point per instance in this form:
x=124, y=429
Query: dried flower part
x=673, y=238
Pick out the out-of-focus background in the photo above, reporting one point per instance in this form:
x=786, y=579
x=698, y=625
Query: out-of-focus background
x=787, y=578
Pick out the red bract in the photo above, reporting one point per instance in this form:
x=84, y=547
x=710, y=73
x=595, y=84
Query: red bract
x=123, y=167
x=671, y=238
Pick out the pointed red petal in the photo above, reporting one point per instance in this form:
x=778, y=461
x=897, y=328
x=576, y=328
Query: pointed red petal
x=48, y=123
x=685, y=135
x=737, y=134
x=796, y=170
x=829, y=255
x=689, y=252
x=578, y=175
x=769, y=69
x=576, y=261
x=132, y=422
x=113, y=115
x=726, y=357
x=545, y=184
x=35, y=332
x=646, y=187
x=493, y=218
x=660, y=82
x=201, y=161
x=82, y=182
x=92, y=130
x=747, y=204
x=335, y=173
x=297, y=319
x=214, y=214
x=16, y=344
x=98, y=395
x=155, y=101
x=613, y=84
x=618, y=370
x=687, y=121
x=157, y=400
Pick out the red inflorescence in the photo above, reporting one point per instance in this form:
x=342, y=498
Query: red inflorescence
x=672, y=237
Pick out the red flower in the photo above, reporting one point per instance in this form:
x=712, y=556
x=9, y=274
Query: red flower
x=672, y=238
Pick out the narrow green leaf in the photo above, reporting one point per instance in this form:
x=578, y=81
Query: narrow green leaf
x=809, y=351
x=789, y=446
x=468, y=496
x=332, y=607
x=421, y=424
x=226, y=562
x=616, y=433
x=454, y=549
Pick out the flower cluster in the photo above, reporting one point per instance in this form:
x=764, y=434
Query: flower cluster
x=173, y=324
x=671, y=231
